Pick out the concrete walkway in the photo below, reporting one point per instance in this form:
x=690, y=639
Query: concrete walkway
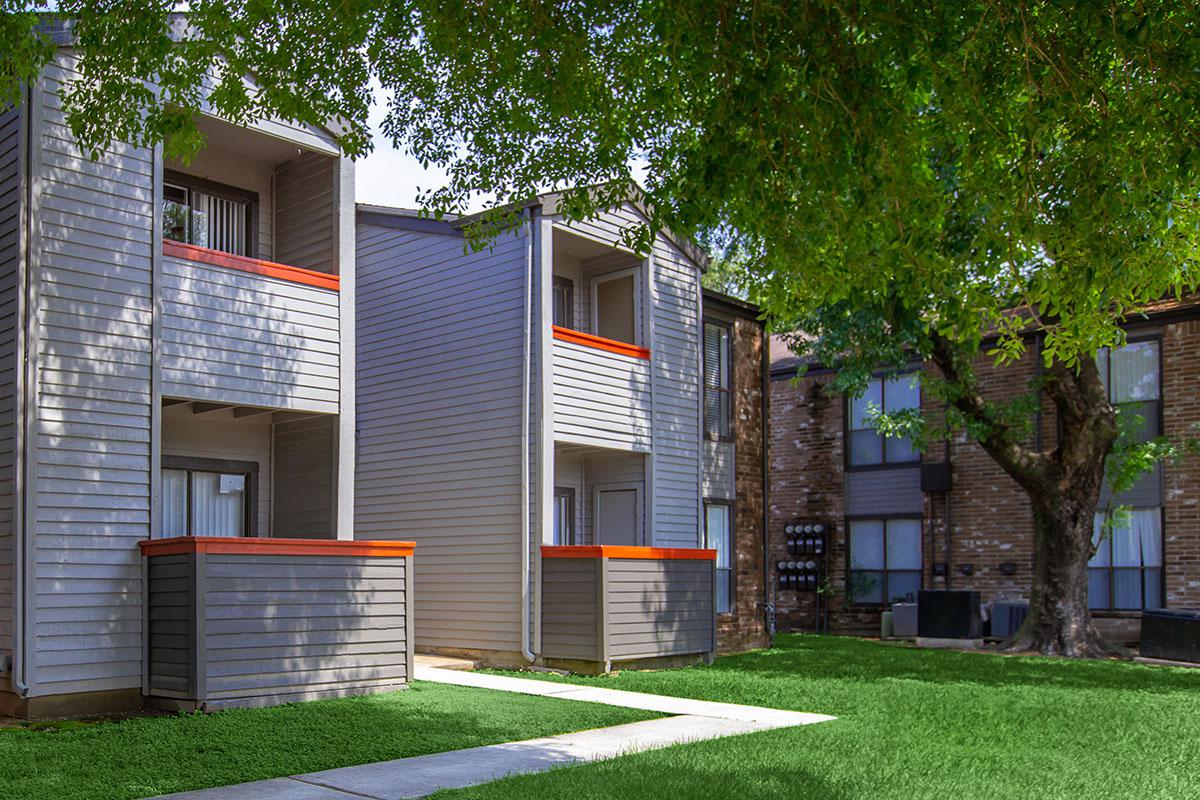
x=419, y=776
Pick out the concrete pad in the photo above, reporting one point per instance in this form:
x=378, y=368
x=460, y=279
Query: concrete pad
x=935, y=643
x=442, y=662
x=620, y=697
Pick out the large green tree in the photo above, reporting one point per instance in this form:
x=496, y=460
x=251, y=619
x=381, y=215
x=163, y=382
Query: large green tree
x=901, y=179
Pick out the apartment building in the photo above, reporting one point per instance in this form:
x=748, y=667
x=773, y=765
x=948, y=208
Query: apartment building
x=899, y=520
x=530, y=415
x=177, y=417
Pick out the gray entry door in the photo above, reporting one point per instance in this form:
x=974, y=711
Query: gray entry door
x=617, y=516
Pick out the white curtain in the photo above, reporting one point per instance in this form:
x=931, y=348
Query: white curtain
x=1135, y=372
x=904, y=544
x=866, y=544
x=218, y=504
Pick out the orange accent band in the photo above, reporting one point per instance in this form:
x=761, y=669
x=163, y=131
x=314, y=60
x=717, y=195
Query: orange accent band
x=246, y=545
x=618, y=551
x=599, y=342
x=256, y=266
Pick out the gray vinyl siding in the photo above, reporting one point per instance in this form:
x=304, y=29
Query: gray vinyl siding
x=11, y=172
x=236, y=337
x=439, y=425
x=304, y=478
x=601, y=398
x=659, y=608
x=305, y=220
x=884, y=492
x=268, y=629
x=571, y=622
x=92, y=420
x=675, y=361
x=718, y=470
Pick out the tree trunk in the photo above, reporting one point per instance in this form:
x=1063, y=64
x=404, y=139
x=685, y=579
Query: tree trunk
x=1064, y=497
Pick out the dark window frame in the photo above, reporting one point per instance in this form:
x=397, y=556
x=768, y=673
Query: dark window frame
x=725, y=432
x=847, y=464
x=1111, y=570
x=569, y=493
x=563, y=282
x=193, y=183
x=727, y=504
x=250, y=469
x=850, y=570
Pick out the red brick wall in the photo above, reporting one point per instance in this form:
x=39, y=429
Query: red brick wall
x=745, y=627
x=989, y=516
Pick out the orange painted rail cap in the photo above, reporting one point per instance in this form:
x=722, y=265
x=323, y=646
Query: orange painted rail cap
x=618, y=551
x=250, y=545
x=598, y=342
x=257, y=266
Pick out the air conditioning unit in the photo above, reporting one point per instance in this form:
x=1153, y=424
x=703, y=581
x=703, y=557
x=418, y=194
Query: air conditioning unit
x=1008, y=616
x=949, y=615
x=1171, y=635
x=904, y=620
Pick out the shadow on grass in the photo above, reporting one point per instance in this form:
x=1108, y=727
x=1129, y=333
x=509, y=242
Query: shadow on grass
x=844, y=658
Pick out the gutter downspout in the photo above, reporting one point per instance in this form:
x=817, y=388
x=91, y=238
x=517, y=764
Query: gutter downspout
x=768, y=586
x=526, y=460
x=18, y=671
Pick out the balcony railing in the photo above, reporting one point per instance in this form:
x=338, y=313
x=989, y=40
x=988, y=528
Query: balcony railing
x=601, y=392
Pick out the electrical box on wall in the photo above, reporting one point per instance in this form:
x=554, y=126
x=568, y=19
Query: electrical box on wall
x=807, y=544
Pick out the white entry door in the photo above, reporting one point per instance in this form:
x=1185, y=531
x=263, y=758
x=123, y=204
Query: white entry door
x=619, y=515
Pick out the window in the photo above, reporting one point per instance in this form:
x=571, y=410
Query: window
x=716, y=380
x=1126, y=571
x=882, y=396
x=204, y=497
x=718, y=535
x=614, y=307
x=885, y=560
x=564, y=302
x=564, y=516
x=208, y=214
x=1131, y=376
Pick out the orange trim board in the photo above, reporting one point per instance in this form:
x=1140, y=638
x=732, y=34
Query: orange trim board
x=617, y=551
x=257, y=266
x=599, y=342
x=247, y=545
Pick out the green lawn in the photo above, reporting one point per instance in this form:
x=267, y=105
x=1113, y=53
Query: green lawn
x=155, y=755
x=911, y=724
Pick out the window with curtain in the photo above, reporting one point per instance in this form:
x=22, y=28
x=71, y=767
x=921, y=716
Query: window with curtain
x=885, y=560
x=717, y=375
x=1126, y=571
x=564, y=516
x=203, y=502
x=1131, y=375
x=208, y=215
x=882, y=396
x=718, y=535
x=564, y=302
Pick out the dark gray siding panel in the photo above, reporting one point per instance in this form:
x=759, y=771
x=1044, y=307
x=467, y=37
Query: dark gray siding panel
x=171, y=637
x=251, y=630
x=884, y=492
x=439, y=385
x=304, y=215
x=570, y=608
x=659, y=608
x=353, y=635
x=12, y=155
x=304, y=479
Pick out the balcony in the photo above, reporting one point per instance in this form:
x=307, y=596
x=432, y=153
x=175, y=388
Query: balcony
x=605, y=604
x=601, y=392
x=244, y=331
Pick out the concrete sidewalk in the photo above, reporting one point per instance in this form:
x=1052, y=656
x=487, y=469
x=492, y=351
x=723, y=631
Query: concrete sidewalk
x=420, y=776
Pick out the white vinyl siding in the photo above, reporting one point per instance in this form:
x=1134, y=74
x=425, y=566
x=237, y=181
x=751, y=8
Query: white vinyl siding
x=12, y=154
x=601, y=398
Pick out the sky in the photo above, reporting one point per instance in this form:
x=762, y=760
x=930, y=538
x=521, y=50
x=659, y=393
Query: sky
x=390, y=177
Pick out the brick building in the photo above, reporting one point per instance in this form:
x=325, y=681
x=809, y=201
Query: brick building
x=900, y=521
x=734, y=485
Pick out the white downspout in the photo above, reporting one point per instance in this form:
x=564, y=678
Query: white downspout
x=526, y=461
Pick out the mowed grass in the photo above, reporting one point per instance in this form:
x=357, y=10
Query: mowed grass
x=148, y=756
x=911, y=724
